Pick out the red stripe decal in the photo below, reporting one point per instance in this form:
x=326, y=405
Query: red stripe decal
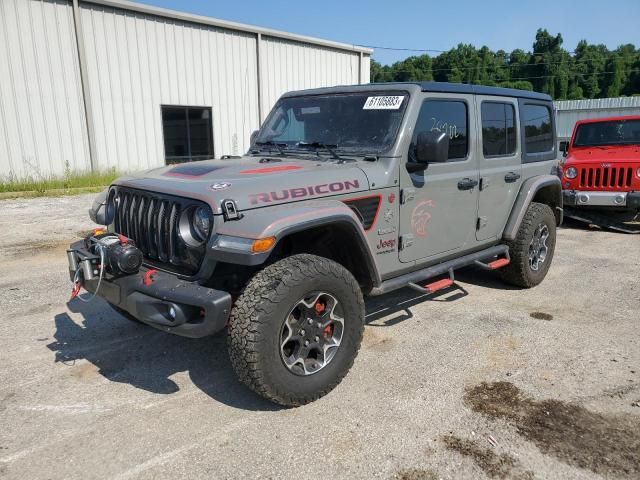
x=280, y=168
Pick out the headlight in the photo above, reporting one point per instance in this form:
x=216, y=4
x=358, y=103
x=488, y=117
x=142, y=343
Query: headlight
x=195, y=225
x=201, y=221
x=571, y=172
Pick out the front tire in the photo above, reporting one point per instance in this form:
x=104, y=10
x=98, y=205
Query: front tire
x=296, y=329
x=532, y=250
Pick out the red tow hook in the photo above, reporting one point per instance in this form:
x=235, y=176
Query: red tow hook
x=75, y=291
x=148, y=277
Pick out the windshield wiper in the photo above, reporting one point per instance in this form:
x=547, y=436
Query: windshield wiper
x=278, y=146
x=317, y=145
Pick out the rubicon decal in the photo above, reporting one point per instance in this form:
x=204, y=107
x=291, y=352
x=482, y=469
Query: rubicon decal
x=303, y=192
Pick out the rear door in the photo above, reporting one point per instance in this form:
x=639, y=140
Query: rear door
x=499, y=163
x=439, y=205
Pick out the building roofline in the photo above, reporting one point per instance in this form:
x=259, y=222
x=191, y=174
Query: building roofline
x=215, y=22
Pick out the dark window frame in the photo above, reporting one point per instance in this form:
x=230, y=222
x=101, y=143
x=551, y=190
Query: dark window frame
x=186, y=108
x=515, y=126
x=538, y=156
x=468, y=118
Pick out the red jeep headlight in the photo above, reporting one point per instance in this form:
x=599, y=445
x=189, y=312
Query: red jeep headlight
x=571, y=172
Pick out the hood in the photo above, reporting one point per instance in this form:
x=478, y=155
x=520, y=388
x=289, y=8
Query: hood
x=252, y=181
x=608, y=154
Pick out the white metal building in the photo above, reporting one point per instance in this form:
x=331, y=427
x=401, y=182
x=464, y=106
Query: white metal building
x=570, y=111
x=109, y=83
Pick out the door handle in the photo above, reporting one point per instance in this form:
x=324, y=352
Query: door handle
x=511, y=177
x=467, y=184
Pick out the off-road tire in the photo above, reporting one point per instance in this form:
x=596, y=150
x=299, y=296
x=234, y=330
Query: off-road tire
x=260, y=311
x=125, y=314
x=519, y=271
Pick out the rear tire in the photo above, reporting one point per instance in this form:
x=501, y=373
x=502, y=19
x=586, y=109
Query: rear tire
x=282, y=322
x=532, y=250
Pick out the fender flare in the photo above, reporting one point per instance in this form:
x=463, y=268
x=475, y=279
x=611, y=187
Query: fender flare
x=283, y=220
x=528, y=191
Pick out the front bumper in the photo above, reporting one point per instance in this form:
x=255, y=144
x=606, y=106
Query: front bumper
x=167, y=303
x=626, y=200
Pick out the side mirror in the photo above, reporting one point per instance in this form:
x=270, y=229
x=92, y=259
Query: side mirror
x=564, y=148
x=253, y=136
x=432, y=147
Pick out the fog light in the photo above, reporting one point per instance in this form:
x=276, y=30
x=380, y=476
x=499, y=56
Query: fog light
x=619, y=199
x=583, y=198
x=172, y=312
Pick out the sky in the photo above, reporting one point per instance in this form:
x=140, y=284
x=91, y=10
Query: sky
x=432, y=25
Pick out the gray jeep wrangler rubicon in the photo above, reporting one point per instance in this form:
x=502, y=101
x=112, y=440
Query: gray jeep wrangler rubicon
x=345, y=192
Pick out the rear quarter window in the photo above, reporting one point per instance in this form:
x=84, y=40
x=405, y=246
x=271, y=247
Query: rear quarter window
x=538, y=131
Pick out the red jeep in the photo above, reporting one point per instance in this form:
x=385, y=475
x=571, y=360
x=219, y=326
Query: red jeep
x=601, y=170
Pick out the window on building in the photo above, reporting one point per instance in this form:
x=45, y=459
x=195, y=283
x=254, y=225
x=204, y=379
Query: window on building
x=498, y=129
x=538, y=133
x=188, y=134
x=448, y=116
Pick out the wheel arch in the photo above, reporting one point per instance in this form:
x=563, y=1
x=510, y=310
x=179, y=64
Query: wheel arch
x=545, y=189
x=338, y=238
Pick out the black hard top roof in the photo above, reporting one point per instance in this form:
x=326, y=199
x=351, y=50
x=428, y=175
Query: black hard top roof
x=444, y=87
x=440, y=87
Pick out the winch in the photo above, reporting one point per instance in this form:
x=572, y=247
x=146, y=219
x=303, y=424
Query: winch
x=103, y=252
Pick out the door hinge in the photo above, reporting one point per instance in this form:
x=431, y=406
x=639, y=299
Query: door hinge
x=406, y=195
x=481, y=222
x=405, y=241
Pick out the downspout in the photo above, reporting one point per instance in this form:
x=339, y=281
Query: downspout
x=84, y=80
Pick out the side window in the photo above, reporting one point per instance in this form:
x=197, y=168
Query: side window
x=538, y=132
x=448, y=116
x=498, y=129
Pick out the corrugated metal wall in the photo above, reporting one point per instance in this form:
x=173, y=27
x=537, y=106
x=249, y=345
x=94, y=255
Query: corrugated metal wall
x=287, y=65
x=570, y=111
x=137, y=58
x=137, y=62
x=42, y=121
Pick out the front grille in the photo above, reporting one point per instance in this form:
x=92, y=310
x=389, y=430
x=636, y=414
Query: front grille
x=151, y=221
x=605, y=177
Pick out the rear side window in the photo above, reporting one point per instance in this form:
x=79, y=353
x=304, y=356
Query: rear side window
x=449, y=116
x=538, y=131
x=498, y=129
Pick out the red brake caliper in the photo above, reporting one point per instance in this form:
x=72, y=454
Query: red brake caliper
x=320, y=308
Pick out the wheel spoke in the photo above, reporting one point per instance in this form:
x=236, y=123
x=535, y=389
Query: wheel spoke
x=311, y=334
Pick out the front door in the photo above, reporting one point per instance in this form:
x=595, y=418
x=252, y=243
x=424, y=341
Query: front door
x=439, y=204
x=499, y=162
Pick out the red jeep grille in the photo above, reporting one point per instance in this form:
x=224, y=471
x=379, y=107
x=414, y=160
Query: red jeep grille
x=605, y=177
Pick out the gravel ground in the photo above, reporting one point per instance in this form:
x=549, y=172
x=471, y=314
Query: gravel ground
x=484, y=381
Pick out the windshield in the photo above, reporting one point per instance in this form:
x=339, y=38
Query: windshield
x=351, y=122
x=618, y=132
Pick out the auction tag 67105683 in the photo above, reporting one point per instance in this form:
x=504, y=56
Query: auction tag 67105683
x=389, y=102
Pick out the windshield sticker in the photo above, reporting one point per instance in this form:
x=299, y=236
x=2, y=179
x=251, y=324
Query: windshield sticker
x=391, y=102
x=309, y=110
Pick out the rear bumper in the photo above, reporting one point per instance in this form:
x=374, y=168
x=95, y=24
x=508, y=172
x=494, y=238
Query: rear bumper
x=167, y=303
x=626, y=200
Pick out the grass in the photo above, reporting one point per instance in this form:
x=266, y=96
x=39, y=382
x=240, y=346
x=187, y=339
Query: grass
x=68, y=184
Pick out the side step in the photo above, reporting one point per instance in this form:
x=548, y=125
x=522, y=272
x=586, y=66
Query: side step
x=411, y=279
x=495, y=264
x=433, y=287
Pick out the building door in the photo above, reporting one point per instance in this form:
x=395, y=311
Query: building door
x=500, y=163
x=188, y=134
x=439, y=204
